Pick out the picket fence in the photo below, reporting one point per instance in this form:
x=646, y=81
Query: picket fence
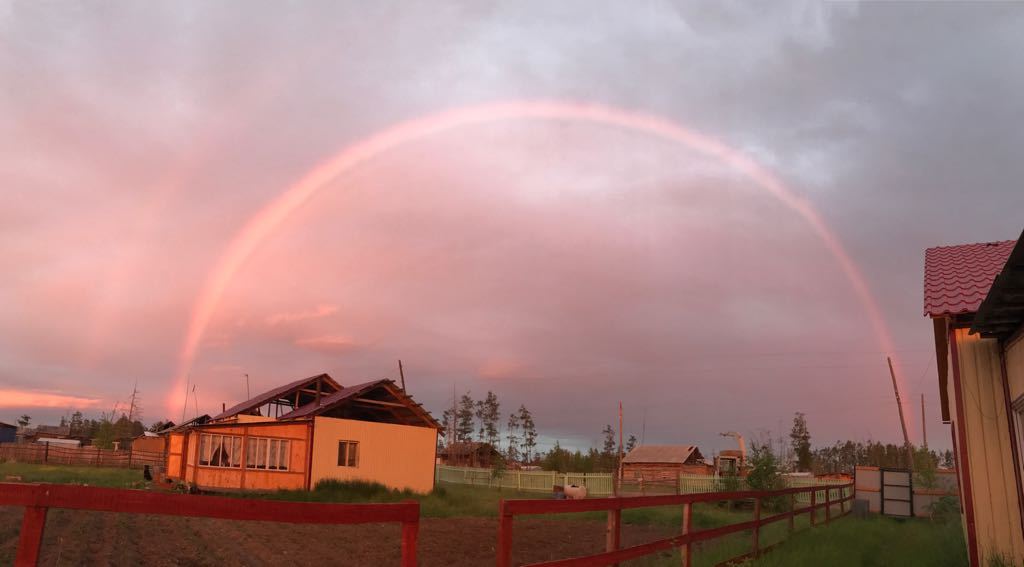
x=603, y=484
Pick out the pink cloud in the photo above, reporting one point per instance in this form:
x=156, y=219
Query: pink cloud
x=328, y=344
x=318, y=312
x=34, y=399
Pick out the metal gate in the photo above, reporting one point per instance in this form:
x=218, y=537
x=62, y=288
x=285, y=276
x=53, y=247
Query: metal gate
x=897, y=492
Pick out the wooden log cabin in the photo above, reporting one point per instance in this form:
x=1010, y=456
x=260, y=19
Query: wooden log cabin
x=662, y=463
x=296, y=435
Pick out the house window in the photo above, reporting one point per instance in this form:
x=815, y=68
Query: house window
x=266, y=454
x=220, y=450
x=348, y=454
x=1018, y=424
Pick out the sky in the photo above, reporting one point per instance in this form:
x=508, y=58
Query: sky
x=564, y=264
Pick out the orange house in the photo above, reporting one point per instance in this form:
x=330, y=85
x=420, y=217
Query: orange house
x=313, y=429
x=974, y=294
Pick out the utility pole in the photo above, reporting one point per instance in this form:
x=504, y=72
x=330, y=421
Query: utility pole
x=903, y=421
x=924, y=425
x=401, y=373
x=132, y=404
x=184, y=406
x=620, y=442
x=451, y=439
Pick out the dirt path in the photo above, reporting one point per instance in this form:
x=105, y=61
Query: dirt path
x=94, y=538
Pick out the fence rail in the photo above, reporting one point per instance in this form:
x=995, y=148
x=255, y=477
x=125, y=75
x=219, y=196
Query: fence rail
x=509, y=509
x=598, y=484
x=38, y=498
x=603, y=484
x=47, y=453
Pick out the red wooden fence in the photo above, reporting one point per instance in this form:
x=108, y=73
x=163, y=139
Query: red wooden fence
x=614, y=506
x=37, y=498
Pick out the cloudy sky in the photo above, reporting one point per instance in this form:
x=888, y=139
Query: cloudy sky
x=564, y=263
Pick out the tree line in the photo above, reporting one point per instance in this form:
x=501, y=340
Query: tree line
x=480, y=420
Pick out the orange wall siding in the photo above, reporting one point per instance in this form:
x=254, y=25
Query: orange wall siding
x=397, y=456
x=1015, y=367
x=175, y=444
x=994, y=488
x=252, y=479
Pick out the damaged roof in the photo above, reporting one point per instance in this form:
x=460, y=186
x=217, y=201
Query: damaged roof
x=278, y=393
x=676, y=454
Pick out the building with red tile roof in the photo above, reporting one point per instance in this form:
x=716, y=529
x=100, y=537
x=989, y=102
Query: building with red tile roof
x=974, y=294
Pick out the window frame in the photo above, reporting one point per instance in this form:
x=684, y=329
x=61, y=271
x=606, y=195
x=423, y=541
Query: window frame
x=268, y=447
x=219, y=451
x=348, y=454
x=236, y=455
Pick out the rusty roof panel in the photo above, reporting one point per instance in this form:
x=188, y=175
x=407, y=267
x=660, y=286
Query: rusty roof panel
x=274, y=394
x=660, y=454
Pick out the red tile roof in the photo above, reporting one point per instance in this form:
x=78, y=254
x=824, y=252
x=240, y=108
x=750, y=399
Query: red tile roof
x=957, y=278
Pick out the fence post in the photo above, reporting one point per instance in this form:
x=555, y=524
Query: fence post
x=46, y=453
x=687, y=518
x=410, y=531
x=757, y=527
x=31, y=536
x=792, y=510
x=828, y=505
x=504, y=550
x=814, y=504
x=613, y=533
x=129, y=456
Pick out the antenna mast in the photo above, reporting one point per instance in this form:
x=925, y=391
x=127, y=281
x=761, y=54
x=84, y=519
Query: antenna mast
x=401, y=373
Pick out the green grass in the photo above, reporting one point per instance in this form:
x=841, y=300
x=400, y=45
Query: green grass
x=847, y=541
x=60, y=474
x=874, y=541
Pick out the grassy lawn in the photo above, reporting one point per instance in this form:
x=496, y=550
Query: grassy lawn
x=60, y=474
x=874, y=541
x=847, y=541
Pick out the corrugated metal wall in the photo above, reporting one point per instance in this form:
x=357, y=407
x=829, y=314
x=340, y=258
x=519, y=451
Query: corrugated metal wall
x=994, y=488
x=397, y=456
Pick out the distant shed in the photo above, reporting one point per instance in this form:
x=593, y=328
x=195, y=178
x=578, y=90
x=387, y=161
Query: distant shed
x=149, y=442
x=8, y=432
x=653, y=463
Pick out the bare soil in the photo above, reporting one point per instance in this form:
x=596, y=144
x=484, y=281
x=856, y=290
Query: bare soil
x=75, y=538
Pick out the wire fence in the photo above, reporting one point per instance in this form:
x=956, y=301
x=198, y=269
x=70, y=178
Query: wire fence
x=53, y=454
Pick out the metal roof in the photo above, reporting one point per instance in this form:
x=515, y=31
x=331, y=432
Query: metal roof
x=354, y=393
x=1002, y=311
x=327, y=402
x=274, y=394
x=957, y=278
x=678, y=454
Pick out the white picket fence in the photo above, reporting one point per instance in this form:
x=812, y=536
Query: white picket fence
x=598, y=484
x=602, y=484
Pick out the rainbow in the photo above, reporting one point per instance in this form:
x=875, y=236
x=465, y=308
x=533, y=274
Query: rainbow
x=266, y=221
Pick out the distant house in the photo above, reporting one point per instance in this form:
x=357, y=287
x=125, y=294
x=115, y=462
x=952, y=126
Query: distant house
x=468, y=454
x=974, y=294
x=8, y=432
x=149, y=442
x=310, y=430
x=662, y=463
